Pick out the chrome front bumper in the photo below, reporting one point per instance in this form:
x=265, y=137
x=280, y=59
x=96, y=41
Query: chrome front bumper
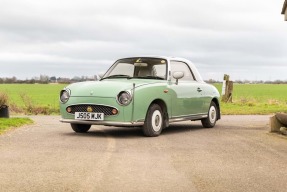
x=106, y=123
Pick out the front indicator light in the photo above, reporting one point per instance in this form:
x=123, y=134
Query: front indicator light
x=114, y=111
x=69, y=109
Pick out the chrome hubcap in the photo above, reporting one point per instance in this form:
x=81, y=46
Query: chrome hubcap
x=156, y=120
x=212, y=114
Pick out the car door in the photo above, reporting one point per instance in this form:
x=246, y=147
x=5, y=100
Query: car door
x=187, y=99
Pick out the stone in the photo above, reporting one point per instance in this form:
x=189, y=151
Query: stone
x=283, y=130
x=282, y=118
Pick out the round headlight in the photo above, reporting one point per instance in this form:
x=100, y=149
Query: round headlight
x=64, y=96
x=124, y=98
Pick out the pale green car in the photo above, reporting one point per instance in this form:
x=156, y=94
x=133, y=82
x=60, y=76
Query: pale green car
x=147, y=92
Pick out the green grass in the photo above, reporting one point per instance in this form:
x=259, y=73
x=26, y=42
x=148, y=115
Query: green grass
x=247, y=98
x=44, y=97
x=256, y=99
x=41, y=94
x=10, y=123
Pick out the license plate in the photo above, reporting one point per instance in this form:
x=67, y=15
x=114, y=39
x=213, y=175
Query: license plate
x=89, y=116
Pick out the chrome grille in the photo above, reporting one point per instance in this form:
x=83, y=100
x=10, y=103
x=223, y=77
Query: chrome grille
x=96, y=109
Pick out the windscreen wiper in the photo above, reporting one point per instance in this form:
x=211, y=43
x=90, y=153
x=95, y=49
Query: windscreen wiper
x=150, y=77
x=116, y=76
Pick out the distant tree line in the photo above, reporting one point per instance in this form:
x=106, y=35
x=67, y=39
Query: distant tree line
x=250, y=82
x=45, y=79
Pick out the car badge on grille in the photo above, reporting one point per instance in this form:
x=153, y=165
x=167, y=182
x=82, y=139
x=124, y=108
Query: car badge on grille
x=89, y=109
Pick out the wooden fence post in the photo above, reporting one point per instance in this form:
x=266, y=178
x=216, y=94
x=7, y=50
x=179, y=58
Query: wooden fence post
x=227, y=89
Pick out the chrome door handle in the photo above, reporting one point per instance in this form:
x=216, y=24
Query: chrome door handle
x=199, y=90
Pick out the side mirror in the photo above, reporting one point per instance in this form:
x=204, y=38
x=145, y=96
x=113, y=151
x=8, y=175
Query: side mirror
x=178, y=75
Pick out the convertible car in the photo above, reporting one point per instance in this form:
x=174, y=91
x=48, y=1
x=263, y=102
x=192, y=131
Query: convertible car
x=147, y=92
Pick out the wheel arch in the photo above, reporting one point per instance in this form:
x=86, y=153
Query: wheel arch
x=216, y=101
x=164, y=108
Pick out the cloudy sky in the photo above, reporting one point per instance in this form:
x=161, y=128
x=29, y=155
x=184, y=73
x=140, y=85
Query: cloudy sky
x=67, y=38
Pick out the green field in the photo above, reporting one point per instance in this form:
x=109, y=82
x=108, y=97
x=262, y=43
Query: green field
x=247, y=98
x=256, y=99
x=38, y=95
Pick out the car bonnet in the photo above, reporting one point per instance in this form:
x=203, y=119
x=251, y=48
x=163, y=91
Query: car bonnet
x=106, y=88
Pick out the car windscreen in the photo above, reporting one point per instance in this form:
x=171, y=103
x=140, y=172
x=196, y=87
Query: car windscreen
x=146, y=68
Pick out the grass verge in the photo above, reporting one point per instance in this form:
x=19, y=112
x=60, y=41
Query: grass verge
x=10, y=123
x=237, y=108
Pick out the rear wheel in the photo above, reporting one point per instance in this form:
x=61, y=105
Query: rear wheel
x=80, y=128
x=212, y=116
x=154, y=121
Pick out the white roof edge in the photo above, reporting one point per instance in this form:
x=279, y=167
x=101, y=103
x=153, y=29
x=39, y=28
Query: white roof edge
x=158, y=56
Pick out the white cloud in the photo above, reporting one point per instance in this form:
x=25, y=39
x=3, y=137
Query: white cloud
x=219, y=36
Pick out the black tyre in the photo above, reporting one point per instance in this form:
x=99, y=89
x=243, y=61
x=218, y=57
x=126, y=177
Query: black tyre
x=80, y=128
x=212, y=116
x=154, y=121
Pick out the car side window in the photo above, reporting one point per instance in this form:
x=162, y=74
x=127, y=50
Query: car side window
x=181, y=66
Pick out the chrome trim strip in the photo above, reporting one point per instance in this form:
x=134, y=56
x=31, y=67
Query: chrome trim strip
x=186, y=118
x=132, y=124
x=108, y=123
x=133, y=101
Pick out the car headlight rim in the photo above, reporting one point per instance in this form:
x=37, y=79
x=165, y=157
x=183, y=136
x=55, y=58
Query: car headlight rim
x=65, y=95
x=124, y=98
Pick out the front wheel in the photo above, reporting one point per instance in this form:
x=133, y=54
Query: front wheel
x=80, y=128
x=212, y=116
x=154, y=122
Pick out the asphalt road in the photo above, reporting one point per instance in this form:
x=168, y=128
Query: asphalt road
x=237, y=155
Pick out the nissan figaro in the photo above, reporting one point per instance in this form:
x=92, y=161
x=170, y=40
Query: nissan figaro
x=147, y=92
